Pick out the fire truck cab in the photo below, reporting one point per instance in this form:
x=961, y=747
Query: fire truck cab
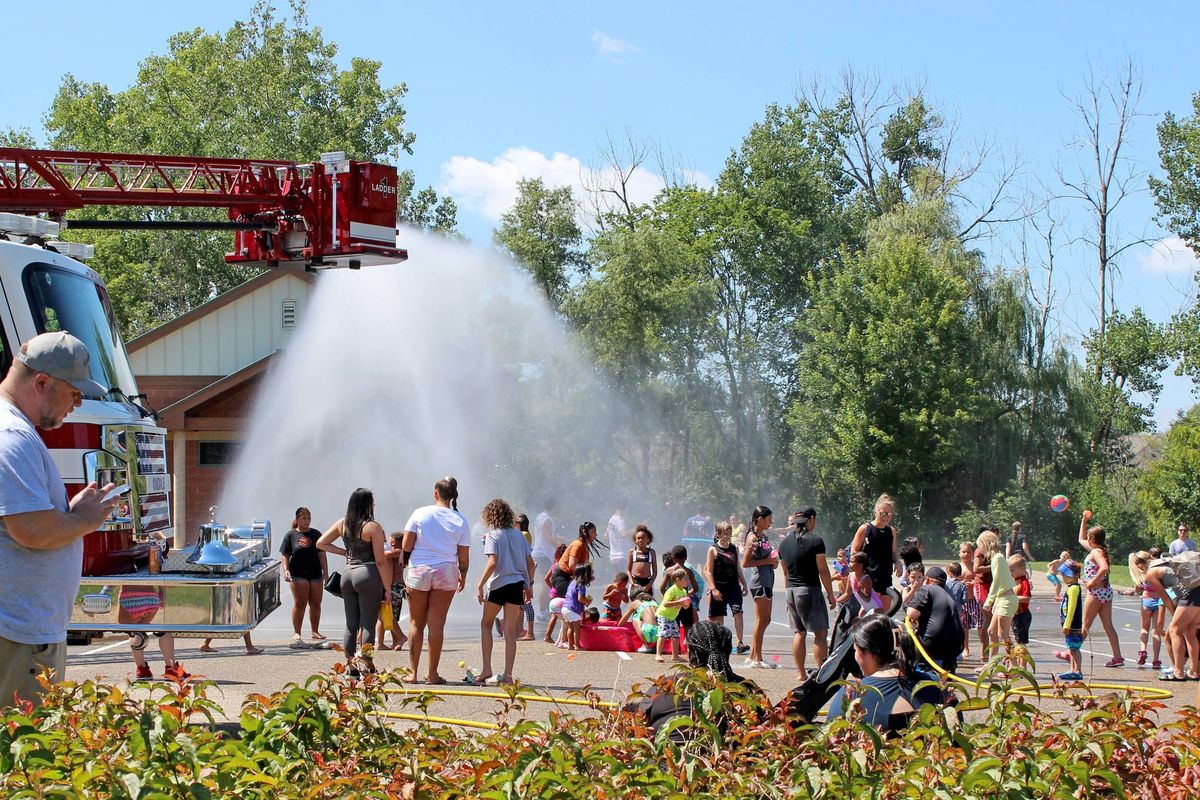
x=43, y=290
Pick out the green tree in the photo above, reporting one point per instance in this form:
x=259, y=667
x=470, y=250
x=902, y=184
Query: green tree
x=640, y=309
x=1171, y=486
x=1183, y=339
x=889, y=383
x=1178, y=193
x=1135, y=352
x=17, y=137
x=541, y=234
x=265, y=88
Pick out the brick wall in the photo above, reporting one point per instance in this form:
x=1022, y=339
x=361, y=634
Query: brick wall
x=203, y=488
x=163, y=390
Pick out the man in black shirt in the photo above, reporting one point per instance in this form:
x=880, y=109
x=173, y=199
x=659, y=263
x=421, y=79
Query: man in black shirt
x=932, y=615
x=802, y=557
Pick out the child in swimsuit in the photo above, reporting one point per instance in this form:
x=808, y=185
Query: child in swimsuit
x=860, y=586
x=615, y=594
x=642, y=562
x=642, y=613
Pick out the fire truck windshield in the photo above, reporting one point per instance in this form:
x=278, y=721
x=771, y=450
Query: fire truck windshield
x=65, y=301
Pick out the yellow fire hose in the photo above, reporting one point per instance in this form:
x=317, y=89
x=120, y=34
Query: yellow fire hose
x=537, y=698
x=464, y=723
x=970, y=704
x=1034, y=690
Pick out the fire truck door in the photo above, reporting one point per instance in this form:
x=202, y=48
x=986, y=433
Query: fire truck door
x=8, y=333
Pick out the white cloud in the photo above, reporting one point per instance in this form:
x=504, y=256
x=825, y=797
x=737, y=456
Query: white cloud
x=490, y=188
x=1169, y=255
x=612, y=49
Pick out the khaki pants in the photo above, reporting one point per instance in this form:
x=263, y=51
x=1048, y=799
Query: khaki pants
x=21, y=664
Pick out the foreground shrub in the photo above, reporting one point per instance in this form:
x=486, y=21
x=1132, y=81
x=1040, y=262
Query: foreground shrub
x=331, y=739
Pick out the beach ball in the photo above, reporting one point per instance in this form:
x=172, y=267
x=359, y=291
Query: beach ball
x=1060, y=503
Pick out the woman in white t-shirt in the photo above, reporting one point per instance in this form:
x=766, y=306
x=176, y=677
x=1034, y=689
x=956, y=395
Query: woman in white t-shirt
x=619, y=539
x=437, y=546
x=544, y=544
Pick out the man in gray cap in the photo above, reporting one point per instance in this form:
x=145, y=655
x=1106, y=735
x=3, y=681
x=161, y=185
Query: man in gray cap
x=934, y=617
x=41, y=533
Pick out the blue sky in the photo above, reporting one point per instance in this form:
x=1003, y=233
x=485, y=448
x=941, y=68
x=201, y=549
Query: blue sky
x=503, y=90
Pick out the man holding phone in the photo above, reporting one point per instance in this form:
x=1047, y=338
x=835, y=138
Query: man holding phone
x=41, y=533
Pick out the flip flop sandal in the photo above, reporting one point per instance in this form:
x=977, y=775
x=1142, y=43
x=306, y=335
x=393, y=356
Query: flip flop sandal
x=438, y=681
x=1172, y=678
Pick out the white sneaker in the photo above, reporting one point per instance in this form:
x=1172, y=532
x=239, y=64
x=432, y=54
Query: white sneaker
x=645, y=649
x=758, y=665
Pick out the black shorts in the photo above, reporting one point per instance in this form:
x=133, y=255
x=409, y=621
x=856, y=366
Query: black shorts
x=510, y=594
x=731, y=604
x=560, y=581
x=1191, y=598
x=761, y=591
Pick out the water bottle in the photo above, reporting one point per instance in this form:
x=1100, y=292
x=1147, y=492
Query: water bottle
x=155, y=564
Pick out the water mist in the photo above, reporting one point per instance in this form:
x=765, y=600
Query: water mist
x=448, y=364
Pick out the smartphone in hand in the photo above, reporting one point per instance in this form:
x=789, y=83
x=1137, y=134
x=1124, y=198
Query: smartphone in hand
x=115, y=493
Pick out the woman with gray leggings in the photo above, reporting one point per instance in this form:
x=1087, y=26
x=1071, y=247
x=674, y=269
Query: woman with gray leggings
x=367, y=581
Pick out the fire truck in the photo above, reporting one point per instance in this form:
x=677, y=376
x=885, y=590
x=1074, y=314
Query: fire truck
x=283, y=215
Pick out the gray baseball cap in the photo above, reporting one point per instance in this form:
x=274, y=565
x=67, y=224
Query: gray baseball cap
x=60, y=355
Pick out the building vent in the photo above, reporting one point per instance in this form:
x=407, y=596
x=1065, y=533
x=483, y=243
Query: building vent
x=289, y=314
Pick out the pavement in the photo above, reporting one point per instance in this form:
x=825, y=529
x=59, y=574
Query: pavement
x=545, y=669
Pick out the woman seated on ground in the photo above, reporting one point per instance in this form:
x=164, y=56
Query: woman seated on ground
x=886, y=657
x=709, y=646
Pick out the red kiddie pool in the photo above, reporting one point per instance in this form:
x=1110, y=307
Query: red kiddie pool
x=611, y=637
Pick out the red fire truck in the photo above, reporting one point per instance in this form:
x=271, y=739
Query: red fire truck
x=332, y=213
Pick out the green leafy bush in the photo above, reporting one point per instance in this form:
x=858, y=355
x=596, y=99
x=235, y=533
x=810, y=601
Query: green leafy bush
x=330, y=738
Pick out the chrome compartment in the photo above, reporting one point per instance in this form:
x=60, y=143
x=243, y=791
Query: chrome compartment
x=190, y=603
x=188, y=598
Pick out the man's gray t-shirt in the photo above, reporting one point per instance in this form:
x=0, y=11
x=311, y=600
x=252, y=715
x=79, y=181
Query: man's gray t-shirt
x=1181, y=546
x=39, y=586
x=512, y=557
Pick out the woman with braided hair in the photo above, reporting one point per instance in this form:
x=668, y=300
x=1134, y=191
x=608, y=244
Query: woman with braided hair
x=578, y=553
x=708, y=648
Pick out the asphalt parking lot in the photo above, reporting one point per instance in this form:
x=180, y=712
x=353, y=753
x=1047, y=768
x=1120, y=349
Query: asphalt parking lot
x=545, y=669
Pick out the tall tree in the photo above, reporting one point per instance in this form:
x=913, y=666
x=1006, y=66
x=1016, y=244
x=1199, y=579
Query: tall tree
x=541, y=234
x=265, y=88
x=1106, y=108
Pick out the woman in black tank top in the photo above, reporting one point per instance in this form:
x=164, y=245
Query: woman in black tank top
x=877, y=539
x=367, y=581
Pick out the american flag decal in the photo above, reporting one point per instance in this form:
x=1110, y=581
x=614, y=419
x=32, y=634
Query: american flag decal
x=155, y=512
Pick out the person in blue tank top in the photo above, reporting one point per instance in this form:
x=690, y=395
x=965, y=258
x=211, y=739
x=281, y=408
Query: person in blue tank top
x=887, y=691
